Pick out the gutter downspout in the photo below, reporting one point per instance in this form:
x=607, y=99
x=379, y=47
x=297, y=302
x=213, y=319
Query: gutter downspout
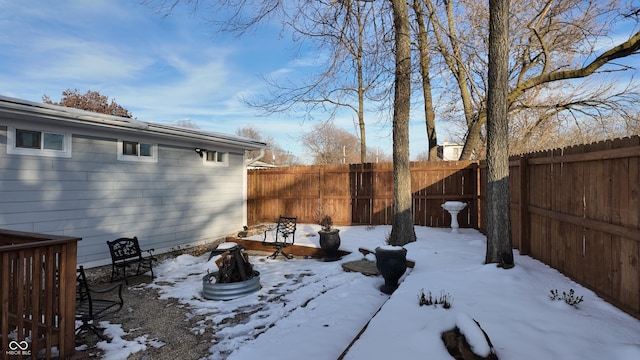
x=253, y=160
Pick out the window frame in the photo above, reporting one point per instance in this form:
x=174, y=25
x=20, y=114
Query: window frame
x=153, y=150
x=223, y=162
x=12, y=139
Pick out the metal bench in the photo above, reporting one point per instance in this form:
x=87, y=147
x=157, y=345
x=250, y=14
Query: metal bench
x=125, y=253
x=282, y=235
x=92, y=305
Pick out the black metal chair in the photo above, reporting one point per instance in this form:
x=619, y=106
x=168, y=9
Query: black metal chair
x=282, y=235
x=125, y=253
x=92, y=305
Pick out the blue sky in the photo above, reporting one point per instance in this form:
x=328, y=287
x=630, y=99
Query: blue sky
x=166, y=68
x=161, y=68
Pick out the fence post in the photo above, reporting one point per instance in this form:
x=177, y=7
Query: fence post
x=479, y=194
x=320, y=194
x=525, y=241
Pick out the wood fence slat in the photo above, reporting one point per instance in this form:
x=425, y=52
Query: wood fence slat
x=629, y=274
x=633, y=197
x=616, y=262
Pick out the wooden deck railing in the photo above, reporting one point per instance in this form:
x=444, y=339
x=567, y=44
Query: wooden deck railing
x=37, y=295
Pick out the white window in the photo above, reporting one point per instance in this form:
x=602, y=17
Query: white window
x=216, y=158
x=38, y=142
x=137, y=151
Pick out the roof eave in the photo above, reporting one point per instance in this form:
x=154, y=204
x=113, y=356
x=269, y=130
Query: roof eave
x=18, y=106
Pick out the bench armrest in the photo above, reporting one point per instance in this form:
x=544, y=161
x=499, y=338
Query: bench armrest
x=150, y=252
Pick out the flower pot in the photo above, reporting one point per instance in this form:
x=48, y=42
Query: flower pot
x=391, y=262
x=330, y=243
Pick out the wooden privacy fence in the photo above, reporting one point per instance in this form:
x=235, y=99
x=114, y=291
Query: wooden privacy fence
x=361, y=194
x=38, y=294
x=576, y=209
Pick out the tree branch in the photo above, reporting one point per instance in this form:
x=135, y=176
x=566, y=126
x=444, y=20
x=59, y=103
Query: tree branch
x=629, y=47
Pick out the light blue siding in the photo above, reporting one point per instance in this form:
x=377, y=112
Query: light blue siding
x=175, y=203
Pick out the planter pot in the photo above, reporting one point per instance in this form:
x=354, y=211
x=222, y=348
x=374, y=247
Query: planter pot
x=330, y=243
x=227, y=291
x=391, y=262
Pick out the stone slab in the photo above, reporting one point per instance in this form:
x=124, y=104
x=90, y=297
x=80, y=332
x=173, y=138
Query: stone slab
x=364, y=266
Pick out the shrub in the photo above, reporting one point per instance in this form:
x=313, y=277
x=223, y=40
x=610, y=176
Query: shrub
x=427, y=299
x=568, y=298
x=326, y=223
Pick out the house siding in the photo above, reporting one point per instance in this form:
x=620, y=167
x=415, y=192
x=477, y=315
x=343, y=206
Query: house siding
x=174, y=203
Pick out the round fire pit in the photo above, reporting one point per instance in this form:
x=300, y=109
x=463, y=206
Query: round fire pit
x=213, y=290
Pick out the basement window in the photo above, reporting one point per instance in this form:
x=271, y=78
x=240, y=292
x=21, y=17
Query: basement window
x=38, y=142
x=137, y=151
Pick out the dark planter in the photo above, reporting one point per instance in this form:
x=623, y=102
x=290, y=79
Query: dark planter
x=391, y=263
x=330, y=243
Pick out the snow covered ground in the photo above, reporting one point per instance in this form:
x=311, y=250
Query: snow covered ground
x=312, y=309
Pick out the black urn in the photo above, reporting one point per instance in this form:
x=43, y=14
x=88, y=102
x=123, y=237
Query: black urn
x=329, y=243
x=391, y=262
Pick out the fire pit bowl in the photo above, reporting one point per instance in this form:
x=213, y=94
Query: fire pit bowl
x=213, y=290
x=235, y=276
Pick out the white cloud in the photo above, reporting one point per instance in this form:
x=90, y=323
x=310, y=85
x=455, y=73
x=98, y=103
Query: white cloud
x=78, y=60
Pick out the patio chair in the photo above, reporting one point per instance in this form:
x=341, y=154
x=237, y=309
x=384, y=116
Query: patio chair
x=125, y=253
x=93, y=305
x=282, y=235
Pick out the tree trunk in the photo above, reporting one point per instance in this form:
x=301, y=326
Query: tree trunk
x=452, y=54
x=359, y=56
x=499, y=246
x=363, y=135
x=474, y=142
x=402, y=230
x=425, y=64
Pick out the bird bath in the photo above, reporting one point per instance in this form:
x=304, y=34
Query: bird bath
x=454, y=207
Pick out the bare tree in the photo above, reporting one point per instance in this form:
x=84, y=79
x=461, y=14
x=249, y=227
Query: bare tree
x=348, y=32
x=499, y=246
x=590, y=112
x=185, y=123
x=245, y=14
x=378, y=155
x=551, y=43
x=90, y=101
x=631, y=123
x=274, y=154
x=425, y=75
x=353, y=32
x=329, y=144
x=461, y=60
